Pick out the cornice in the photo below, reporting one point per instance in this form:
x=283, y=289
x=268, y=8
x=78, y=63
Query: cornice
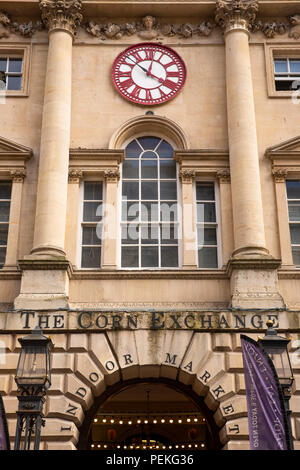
x=149, y=274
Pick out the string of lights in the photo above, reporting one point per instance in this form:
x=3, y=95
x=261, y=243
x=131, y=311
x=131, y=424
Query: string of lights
x=129, y=419
x=96, y=446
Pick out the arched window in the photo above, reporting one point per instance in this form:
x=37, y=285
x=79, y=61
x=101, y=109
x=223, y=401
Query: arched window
x=149, y=222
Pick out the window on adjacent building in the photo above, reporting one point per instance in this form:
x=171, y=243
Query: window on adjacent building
x=287, y=73
x=91, y=225
x=11, y=69
x=207, y=236
x=5, y=199
x=293, y=197
x=149, y=223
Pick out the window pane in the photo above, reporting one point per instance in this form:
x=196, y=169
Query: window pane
x=91, y=235
x=130, y=234
x=131, y=169
x=296, y=255
x=2, y=256
x=91, y=257
x=149, y=169
x=149, y=190
x=148, y=155
x=93, y=191
x=169, y=256
x=206, y=212
x=5, y=190
x=4, y=211
x=168, y=211
x=285, y=85
x=207, y=257
x=149, y=211
x=280, y=66
x=169, y=234
x=130, y=257
x=167, y=169
x=207, y=235
x=294, y=210
x=295, y=234
x=3, y=234
x=165, y=150
x=295, y=66
x=3, y=63
x=149, y=234
x=15, y=65
x=293, y=189
x=149, y=143
x=205, y=192
x=92, y=211
x=14, y=82
x=130, y=210
x=168, y=190
x=130, y=190
x=149, y=256
x=133, y=150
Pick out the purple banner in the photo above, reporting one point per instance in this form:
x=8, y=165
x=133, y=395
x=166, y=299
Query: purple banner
x=266, y=416
x=4, y=438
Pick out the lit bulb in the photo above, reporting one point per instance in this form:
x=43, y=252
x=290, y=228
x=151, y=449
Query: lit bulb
x=129, y=422
x=154, y=421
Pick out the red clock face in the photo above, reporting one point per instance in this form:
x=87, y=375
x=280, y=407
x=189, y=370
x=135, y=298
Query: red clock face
x=148, y=74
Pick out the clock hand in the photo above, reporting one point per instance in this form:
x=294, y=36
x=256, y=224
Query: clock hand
x=143, y=68
x=149, y=69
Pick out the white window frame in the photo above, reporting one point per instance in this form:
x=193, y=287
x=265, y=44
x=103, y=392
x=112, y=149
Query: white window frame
x=7, y=222
x=286, y=76
x=294, y=222
x=216, y=224
x=82, y=223
x=179, y=211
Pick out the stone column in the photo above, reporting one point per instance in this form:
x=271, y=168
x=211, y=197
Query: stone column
x=45, y=278
x=110, y=220
x=189, y=235
x=61, y=18
x=250, y=255
x=14, y=218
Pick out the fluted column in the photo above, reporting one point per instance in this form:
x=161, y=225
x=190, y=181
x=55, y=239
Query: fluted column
x=61, y=17
x=236, y=18
x=252, y=270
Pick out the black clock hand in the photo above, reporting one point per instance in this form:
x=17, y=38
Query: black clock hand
x=143, y=68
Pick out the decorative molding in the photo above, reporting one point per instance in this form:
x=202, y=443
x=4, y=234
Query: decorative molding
x=61, y=14
x=236, y=14
x=18, y=175
x=148, y=28
x=280, y=174
x=112, y=176
x=223, y=175
x=75, y=176
x=295, y=29
x=187, y=175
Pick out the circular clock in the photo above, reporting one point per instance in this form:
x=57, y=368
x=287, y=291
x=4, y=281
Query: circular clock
x=148, y=73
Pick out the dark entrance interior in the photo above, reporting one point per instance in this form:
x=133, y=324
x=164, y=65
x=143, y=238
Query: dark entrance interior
x=149, y=414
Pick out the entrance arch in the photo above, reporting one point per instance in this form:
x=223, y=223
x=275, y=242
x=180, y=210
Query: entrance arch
x=175, y=418
x=207, y=367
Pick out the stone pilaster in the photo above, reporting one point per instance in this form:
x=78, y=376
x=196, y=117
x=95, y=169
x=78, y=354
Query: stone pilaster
x=189, y=241
x=111, y=219
x=251, y=263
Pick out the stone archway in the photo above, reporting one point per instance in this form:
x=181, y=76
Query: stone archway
x=198, y=360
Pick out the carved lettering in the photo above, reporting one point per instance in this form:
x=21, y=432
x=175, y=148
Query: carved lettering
x=171, y=360
x=128, y=359
x=223, y=321
x=109, y=365
x=72, y=409
x=94, y=377
x=205, y=376
x=187, y=319
x=65, y=429
x=256, y=321
x=81, y=318
x=105, y=322
x=27, y=317
x=240, y=321
x=204, y=321
x=235, y=429
x=58, y=321
x=228, y=409
x=132, y=321
x=155, y=321
x=116, y=319
x=81, y=392
x=44, y=321
x=175, y=320
x=218, y=391
x=189, y=366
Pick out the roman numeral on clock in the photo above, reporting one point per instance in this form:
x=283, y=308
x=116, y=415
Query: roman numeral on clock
x=170, y=84
x=149, y=54
x=127, y=83
x=136, y=91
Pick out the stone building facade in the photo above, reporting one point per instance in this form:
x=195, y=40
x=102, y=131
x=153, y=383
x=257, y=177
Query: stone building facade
x=159, y=322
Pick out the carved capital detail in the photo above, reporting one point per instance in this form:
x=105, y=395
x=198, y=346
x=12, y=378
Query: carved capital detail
x=61, y=14
x=223, y=176
x=75, y=176
x=112, y=176
x=236, y=14
x=18, y=175
x=187, y=175
x=280, y=174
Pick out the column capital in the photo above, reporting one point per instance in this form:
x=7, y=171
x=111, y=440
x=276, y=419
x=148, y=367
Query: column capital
x=187, y=175
x=280, y=174
x=112, y=175
x=223, y=175
x=236, y=14
x=18, y=175
x=75, y=176
x=61, y=14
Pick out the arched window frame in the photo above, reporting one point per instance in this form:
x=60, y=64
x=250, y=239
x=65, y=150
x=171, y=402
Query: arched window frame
x=171, y=142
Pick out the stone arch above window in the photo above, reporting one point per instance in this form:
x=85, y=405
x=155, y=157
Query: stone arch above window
x=149, y=125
